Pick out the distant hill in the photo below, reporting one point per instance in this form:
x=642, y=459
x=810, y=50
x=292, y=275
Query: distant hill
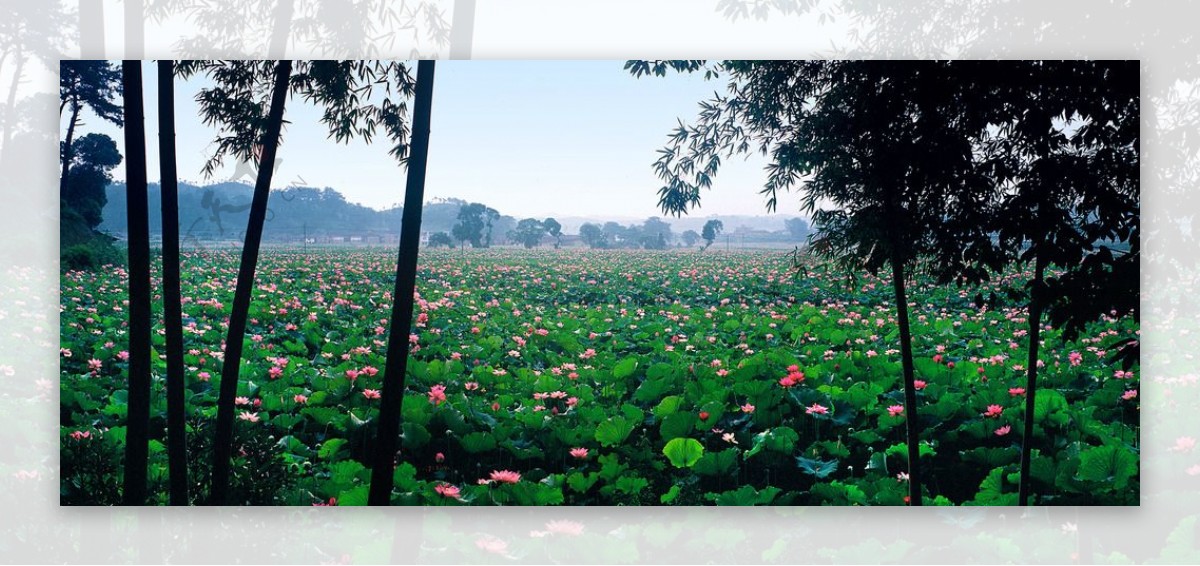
x=682, y=224
x=220, y=211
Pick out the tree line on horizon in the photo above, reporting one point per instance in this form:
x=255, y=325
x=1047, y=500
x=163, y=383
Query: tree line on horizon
x=219, y=212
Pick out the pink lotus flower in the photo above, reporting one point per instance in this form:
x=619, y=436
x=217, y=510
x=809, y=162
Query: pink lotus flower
x=747, y=408
x=248, y=416
x=817, y=409
x=1016, y=391
x=1003, y=430
x=589, y=353
x=274, y=372
x=1184, y=444
x=505, y=476
x=352, y=374
x=447, y=490
x=793, y=368
x=94, y=364
x=122, y=355
x=919, y=385
x=792, y=378
x=203, y=376
x=1075, y=358
x=369, y=370
x=895, y=410
x=993, y=411
x=437, y=394
x=1131, y=394
x=564, y=527
x=302, y=399
x=81, y=434
x=579, y=453
x=902, y=477
x=371, y=393
x=492, y=544
x=241, y=401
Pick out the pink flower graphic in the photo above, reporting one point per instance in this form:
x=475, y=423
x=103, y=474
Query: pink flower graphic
x=504, y=476
x=447, y=490
x=437, y=394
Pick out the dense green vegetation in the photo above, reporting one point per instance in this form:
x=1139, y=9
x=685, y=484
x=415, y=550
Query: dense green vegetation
x=559, y=377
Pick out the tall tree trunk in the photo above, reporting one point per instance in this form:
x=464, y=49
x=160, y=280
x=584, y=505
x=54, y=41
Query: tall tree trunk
x=281, y=29
x=910, y=386
x=462, y=29
x=68, y=151
x=223, y=443
x=400, y=325
x=1035, y=327
x=172, y=296
x=137, y=207
x=10, y=108
x=91, y=29
x=135, y=29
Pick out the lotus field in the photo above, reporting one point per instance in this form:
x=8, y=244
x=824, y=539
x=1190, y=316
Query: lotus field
x=605, y=378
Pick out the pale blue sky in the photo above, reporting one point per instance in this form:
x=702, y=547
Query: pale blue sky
x=530, y=138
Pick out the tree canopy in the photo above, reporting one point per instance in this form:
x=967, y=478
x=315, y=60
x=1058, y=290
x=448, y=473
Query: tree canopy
x=95, y=85
x=93, y=159
x=711, y=230
x=529, y=232
x=952, y=167
x=471, y=224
